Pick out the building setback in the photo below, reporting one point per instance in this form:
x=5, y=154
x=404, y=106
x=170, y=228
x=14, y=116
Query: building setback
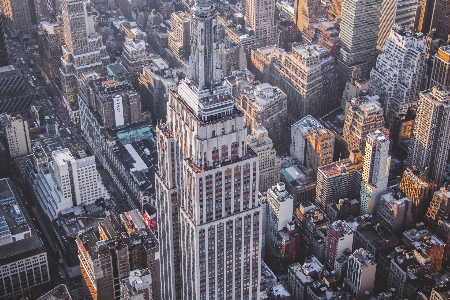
x=207, y=182
x=400, y=72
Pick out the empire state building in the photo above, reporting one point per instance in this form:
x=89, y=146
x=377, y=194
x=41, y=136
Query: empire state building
x=207, y=182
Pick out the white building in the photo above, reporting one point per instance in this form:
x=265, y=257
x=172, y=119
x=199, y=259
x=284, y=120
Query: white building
x=207, y=183
x=66, y=182
x=400, y=72
x=15, y=131
x=375, y=171
x=360, y=274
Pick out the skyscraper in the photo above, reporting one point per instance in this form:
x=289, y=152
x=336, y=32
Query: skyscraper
x=83, y=50
x=387, y=18
x=18, y=16
x=400, y=72
x=358, y=38
x=434, y=16
x=431, y=136
x=375, y=171
x=207, y=182
x=441, y=69
x=260, y=15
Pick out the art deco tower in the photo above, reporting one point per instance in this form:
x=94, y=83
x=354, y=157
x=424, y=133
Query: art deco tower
x=207, y=182
x=83, y=50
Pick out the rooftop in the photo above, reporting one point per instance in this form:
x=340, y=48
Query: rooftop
x=364, y=257
x=263, y=94
x=58, y=293
x=12, y=220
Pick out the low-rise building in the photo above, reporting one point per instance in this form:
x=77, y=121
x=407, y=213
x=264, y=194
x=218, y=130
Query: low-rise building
x=299, y=181
x=301, y=276
x=313, y=224
x=342, y=209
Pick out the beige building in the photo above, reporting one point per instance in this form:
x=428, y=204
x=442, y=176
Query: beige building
x=308, y=11
x=18, y=16
x=306, y=75
x=266, y=105
x=311, y=143
x=179, y=35
x=269, y=162
x=15, y=131
x=260, y=15
x=363, y=117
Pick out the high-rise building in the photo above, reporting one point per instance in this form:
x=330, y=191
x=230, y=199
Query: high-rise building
x=387, y=18
x=308, y=95
x=18, y=16
x=339, y=180
x=363, y=117
x=260, y=15
x=3, y=50
x=375, y=171
x=360, y=274
x=302, y=276
x=416, y=185
x=65, y=182
x=50, y=40
x=266, y=105
x=441, y=19
x=114, y=100
x=441, y=69
x=400, y=72
x=339, y=238
x=269, y=162
x=431, y=139
x=425, y=16
x=97, y=265
x=83, y=50
x=358, y=38
x=437, y=220
x=311, y=143
x=179, y=35
x=394, y=213
x=15, y=131
x=134, y=57
x=280, y=210
x=308, y=11
x=207, y=182
x=407, y=13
